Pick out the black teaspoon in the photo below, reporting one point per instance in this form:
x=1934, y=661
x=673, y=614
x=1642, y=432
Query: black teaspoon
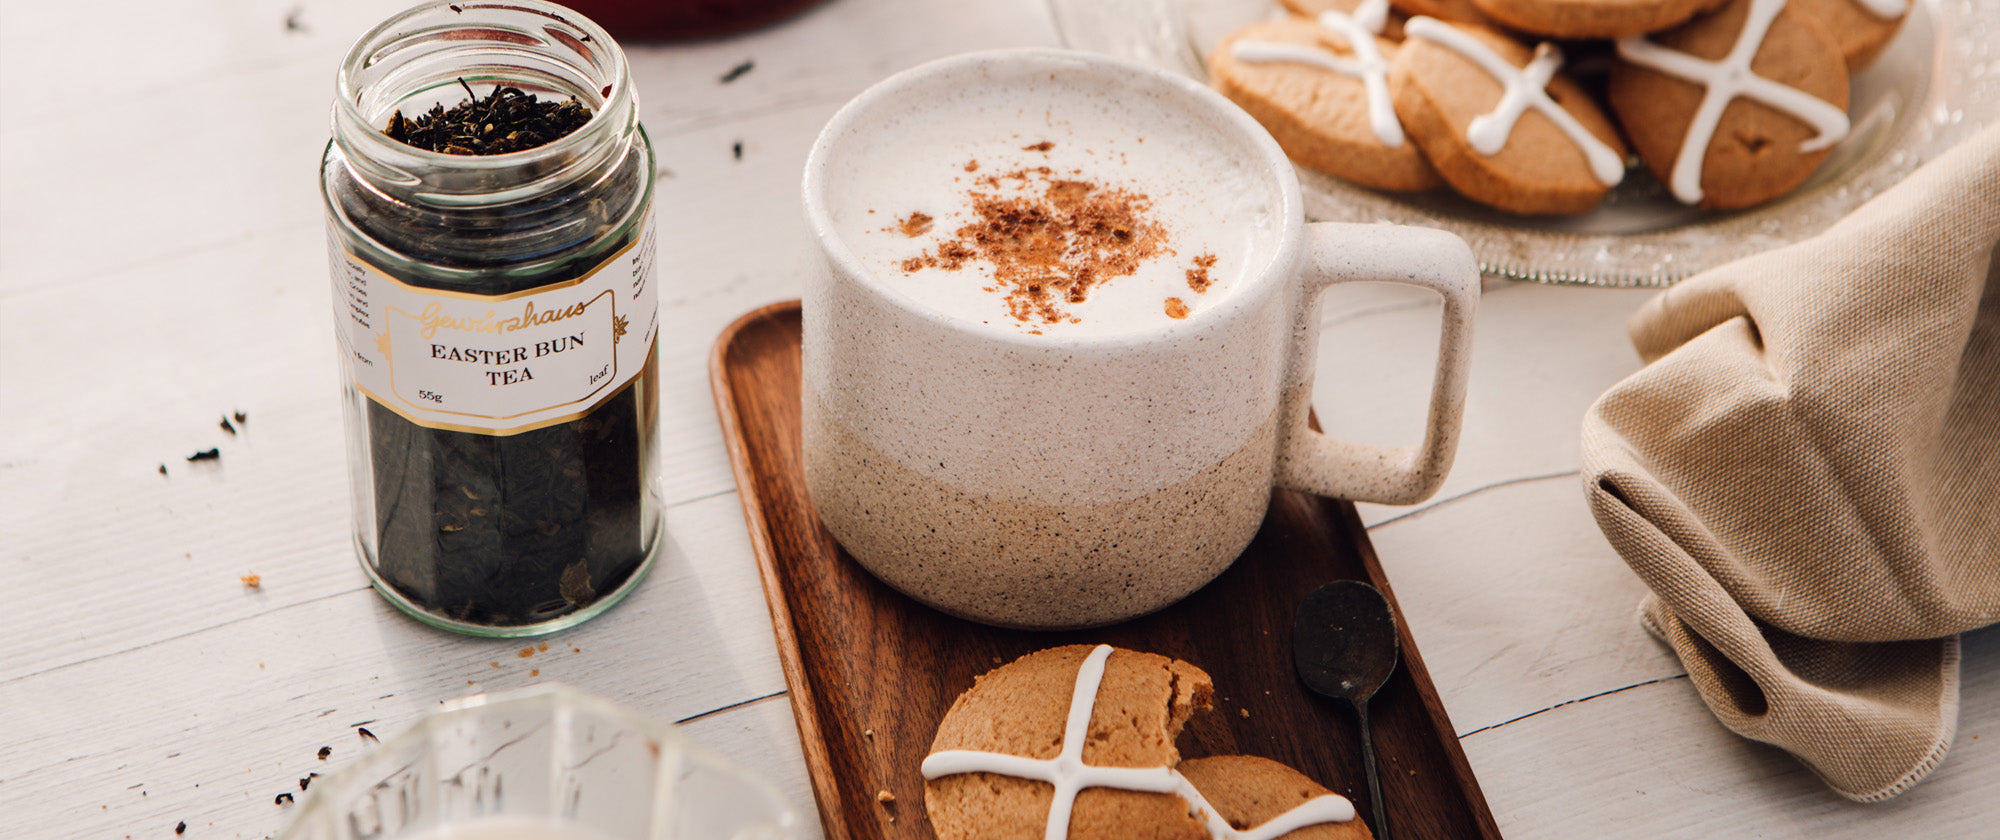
x=1344, y=644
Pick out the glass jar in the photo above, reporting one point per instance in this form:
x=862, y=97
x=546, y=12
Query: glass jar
x=547, y=762
x=496, y=320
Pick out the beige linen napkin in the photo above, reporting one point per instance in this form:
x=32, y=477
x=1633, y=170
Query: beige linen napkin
x=1807, y=475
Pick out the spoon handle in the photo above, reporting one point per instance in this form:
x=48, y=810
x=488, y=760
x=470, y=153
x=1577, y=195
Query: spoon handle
x=1374, y=781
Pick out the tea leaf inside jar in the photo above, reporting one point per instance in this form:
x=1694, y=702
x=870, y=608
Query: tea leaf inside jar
x=506, y=120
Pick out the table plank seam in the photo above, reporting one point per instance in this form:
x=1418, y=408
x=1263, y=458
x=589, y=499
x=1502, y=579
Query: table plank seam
x=713, y=494
x=1371, y=311
x=732, y=706
x=1509, y=482
x=1604, y=693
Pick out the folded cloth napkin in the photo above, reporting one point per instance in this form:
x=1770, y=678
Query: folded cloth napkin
x=1806, y=474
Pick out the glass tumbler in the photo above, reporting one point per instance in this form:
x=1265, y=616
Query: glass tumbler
x=543, y=763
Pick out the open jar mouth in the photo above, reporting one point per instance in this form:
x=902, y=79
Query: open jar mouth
x=438, y=54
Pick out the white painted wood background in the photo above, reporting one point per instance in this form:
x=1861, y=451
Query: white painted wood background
x=161, y=265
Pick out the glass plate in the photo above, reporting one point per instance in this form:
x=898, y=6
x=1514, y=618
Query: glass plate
x=1936, y=84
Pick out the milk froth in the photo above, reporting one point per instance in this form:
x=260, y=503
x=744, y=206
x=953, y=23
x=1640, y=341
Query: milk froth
x=911, y=198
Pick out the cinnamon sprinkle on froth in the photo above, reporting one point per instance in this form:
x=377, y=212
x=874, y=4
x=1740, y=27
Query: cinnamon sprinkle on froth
x=1050, y=240
x=1197, y=277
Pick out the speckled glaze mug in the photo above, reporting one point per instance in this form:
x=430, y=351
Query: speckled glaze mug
x=1093, y=466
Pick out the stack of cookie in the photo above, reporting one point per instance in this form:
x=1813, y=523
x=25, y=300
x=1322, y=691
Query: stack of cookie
x=1730, y=103
x=1078, y=742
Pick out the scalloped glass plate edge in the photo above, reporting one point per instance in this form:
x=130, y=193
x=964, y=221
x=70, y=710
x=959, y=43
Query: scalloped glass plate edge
x=1928, y=91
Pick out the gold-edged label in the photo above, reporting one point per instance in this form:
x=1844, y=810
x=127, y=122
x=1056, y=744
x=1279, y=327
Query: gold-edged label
x=496, y=364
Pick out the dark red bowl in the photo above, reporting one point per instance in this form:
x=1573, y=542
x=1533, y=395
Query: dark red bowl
x=680, y=20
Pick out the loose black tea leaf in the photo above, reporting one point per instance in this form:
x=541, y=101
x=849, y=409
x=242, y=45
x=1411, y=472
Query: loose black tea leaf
x=324, y=752
x=493, y=530
x=284, y=799
x=367, y=736
x=210, y=454
x=737, y=149
x=738, y=71
x=228, y=428
x=240, y=417
x=182, y=828
x=507, y=120
x=163, y=469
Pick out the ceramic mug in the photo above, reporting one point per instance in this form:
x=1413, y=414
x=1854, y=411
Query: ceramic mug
x=990, y=442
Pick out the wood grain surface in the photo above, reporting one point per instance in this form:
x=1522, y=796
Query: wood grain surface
x=872, y=672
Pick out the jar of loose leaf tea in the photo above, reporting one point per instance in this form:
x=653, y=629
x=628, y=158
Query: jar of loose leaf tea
x=488, y=192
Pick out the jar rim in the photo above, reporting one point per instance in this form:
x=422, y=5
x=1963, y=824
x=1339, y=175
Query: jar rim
x=550, y=31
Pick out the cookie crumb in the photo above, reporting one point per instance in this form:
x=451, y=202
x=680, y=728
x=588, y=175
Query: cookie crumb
x=1039, y=147
x=534, y=672
x=1243, y=713
x=1176, y=309
x=884, y=796
x=252, y=581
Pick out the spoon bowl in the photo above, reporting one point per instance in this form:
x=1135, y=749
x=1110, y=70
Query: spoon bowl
x=1344, y=646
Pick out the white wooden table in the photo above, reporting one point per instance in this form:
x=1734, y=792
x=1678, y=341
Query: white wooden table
x=162, y=265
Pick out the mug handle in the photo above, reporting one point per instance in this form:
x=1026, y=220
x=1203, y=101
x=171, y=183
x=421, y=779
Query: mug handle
x=1312, y=462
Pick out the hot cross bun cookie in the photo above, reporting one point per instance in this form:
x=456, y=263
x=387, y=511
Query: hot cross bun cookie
x=1250, y=791
x=1325, y=102
x=1499, y=123
x=1591, y=18
x=1081, y=739
x=1735, y=107
x=1862, y=28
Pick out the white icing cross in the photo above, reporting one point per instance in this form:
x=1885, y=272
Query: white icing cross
x=1368, y=65
x=1885, y=9
x=1373, y=15
x=1724, y=81
x=1070, y=775
x=1522, y=88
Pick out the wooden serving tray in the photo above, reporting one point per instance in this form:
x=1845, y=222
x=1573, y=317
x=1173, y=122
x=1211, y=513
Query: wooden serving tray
x=871, y=672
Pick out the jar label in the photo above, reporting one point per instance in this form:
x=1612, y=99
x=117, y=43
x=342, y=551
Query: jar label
x=497, y=364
